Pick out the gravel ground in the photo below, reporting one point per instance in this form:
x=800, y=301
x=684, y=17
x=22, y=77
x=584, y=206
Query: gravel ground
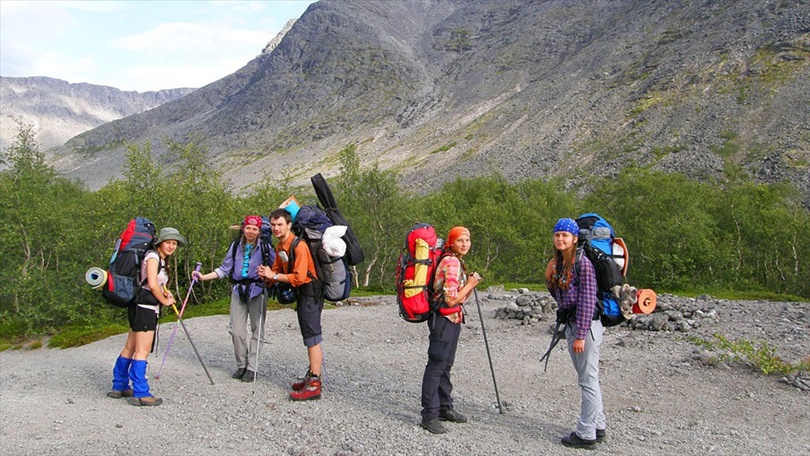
x=659, y=398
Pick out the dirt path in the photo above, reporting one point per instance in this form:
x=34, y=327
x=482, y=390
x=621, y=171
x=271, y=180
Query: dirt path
x=658, y=400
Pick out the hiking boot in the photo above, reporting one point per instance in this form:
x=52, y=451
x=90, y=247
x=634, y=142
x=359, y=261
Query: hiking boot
x=312, y=390
x=249, y=376
x=574, y=441
x=601, y=435
x=300, y=384
x=433, y=425
x=239, y=373
x=119, y=394
x=145, y=401
x=452, y=416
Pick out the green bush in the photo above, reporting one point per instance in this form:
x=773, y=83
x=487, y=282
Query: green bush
x=738, y=237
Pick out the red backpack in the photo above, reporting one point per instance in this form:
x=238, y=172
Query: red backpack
x=415, y=271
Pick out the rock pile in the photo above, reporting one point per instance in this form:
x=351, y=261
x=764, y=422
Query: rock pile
x=672, y=313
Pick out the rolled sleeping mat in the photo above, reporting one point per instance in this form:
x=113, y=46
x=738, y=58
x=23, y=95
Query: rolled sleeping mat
x=292, y=206
x=645, y=301
x=96, y=277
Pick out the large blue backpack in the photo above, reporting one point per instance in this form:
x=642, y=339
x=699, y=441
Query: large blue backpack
x=124, y=274
x=609, y=256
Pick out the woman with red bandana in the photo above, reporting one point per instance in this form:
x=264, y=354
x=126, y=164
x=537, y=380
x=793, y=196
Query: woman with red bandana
x=452, y=286
x=249, y=297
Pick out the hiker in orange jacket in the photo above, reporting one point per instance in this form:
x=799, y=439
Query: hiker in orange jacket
x=294, y=267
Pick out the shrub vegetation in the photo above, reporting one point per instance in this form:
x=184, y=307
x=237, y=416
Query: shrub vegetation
x=683, y=235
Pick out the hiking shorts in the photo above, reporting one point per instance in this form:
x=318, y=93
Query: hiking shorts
x=142, y=318
x=310, y=306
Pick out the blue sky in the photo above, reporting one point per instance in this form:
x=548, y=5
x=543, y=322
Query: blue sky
x=137, y=45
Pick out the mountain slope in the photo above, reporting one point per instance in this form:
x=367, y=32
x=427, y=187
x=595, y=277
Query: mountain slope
x=59, y=110
x=446, y=88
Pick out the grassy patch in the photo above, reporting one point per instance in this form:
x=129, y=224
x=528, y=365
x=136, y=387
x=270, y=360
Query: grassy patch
x=444, y=148
x=75, y=336
x=758, y=355
x=91, y=151
x=529, y=286
x=659, y=152
x=651, y=100
x=738, y=295
x=459, y=40
x=730, y=144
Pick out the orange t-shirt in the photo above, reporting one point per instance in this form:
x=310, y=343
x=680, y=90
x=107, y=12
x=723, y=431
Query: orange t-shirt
x=303, y=270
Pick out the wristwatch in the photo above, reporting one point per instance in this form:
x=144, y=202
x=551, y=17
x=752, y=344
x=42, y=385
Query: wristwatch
x=275, y=277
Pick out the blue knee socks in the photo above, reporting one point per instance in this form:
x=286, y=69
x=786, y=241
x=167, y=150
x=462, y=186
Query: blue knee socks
x=121, y=374
x=137, y=373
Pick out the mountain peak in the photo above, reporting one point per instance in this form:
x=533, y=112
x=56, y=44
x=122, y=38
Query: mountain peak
x=448, y=88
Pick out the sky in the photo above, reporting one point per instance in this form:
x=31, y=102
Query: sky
x=137, y=44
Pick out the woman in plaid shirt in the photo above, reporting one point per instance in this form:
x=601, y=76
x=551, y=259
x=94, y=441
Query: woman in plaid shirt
x=571, y=279
x=452, y=286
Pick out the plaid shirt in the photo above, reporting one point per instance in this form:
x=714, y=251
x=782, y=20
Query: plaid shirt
x=581, y=295
x=450, y=278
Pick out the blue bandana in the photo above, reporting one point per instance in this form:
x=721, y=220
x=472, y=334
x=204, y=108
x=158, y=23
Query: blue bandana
x=567, y=224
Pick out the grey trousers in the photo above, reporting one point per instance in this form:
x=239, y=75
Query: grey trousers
x=255, y=308
x=591, y=415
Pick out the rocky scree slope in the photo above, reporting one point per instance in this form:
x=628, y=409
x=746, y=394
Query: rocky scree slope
x=530, y=89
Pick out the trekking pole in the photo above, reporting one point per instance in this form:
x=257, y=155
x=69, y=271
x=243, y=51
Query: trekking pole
x=484, y=331
x=174, y=331
x=192, y=343
x=259, y=342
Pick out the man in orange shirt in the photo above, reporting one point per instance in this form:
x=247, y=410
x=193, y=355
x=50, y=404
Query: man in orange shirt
x=294, y=266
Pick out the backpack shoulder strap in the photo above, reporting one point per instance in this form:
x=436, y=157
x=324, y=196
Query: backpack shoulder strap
x=577, y=266
x=432, y=280
x=232, y=249
x=161, y=265
x=265, y=253
x=291, y=261
x=578, y=260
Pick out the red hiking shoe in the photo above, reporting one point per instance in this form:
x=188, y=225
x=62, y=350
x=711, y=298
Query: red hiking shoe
x=312, y=390
x=300, y=384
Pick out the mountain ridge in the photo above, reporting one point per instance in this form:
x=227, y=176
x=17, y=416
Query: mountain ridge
x=60, y=110
x=439, y=89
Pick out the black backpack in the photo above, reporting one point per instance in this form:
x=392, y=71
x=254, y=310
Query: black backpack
x=608, y=254
x=268, y=257
x=124, y=274
x=268, y=252
x=333, y=271
x=354, y=253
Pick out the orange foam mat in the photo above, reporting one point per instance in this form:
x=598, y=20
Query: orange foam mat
x=645, y=301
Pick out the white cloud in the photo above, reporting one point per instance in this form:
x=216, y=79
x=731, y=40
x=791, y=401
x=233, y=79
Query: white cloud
x=137, y=45
x=190, y=37
x=172, y=75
